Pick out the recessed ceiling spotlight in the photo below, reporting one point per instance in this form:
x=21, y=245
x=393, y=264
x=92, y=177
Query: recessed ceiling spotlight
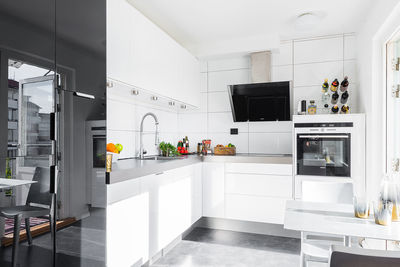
x=307, y=21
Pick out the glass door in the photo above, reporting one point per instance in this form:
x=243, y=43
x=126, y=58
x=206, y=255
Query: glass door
x=323, y=154
x=393, y=104
x=36, y=107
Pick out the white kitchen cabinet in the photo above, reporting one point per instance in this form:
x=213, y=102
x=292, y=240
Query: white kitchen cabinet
x=139, y=53
x=255, y=208
x=175, y=203
x=256, y=168
x=257, y=192
x=197, y=192
x=213, y=189
x=127, y=223
x=259, y=185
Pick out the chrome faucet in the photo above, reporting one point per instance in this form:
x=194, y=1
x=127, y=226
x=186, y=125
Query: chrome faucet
x=141, y=150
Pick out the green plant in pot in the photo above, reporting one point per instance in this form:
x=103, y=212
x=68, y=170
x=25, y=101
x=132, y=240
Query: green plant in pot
x=168, y=150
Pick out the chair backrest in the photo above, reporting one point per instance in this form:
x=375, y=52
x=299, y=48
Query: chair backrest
x=39, y=192
x=352, y=257
x=327, y=192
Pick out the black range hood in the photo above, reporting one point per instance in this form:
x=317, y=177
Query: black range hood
x=260, y=101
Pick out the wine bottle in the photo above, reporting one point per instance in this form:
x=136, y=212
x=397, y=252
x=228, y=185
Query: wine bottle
x=335, y=97
x=344, y=84
x=344, y=97
x=325, y=86
x=335, y=109
x=334, y=85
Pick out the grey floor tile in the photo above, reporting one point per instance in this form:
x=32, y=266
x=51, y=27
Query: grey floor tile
x=218, y=248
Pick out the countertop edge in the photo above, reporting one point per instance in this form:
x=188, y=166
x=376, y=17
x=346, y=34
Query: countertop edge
x=127, y=174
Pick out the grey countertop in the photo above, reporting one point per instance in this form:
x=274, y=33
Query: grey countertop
x=126, y=169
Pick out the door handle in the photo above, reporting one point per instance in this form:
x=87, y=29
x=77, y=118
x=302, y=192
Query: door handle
x=323, y=136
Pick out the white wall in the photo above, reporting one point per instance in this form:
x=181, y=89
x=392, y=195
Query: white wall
x=306, y=62
x=123, y=124
x=383, y=20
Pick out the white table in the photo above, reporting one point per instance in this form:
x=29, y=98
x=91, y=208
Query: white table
x=337, y=219
x=6, y=184
x=9, y=183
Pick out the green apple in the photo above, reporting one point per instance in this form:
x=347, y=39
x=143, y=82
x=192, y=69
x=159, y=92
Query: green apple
x=119, y=147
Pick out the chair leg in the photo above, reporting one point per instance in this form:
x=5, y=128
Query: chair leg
x=17, y=225
x=28, y=230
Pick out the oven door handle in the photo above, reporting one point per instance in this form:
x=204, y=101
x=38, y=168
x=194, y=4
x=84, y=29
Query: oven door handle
x=323, y=136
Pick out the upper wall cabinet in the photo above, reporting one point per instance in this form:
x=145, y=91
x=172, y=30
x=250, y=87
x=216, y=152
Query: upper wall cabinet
x=141, y=54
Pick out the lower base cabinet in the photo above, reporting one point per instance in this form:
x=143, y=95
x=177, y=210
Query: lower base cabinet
x=255, y=208
x=148, y=213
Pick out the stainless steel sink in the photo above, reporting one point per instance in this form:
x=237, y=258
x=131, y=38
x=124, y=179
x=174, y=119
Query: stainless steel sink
x=161, y=158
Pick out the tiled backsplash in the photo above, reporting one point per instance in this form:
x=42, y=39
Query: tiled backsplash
x=123, y=125
x=305, y=62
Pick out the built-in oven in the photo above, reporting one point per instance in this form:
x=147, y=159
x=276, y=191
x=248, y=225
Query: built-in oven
x=324, y=154
x=96, y=142
x=329, y=148
x=323, y=149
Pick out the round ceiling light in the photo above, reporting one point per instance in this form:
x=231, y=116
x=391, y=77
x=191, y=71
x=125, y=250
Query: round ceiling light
x=307, y=21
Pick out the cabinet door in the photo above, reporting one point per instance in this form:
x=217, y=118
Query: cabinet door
x=213, y=190
x=197, y=190
x=174, y=205
x=127, y=224
x=255, y=208
x=120, y=23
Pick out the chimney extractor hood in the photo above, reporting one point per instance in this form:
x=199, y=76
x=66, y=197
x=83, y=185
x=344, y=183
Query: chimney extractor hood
x=260, y=101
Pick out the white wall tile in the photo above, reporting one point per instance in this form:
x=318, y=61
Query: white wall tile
x=120, y=115
x=223, y=122
x=192, y=122
x=270, y=143
x=350, y=51
x=203, y=66
x=314, y=74
x=307, y=93
x=219, y=81
x=270, y=126
x=126, y=138
x=229, y=63
x=282, y=73
x=203, y=102
x=240, y=141
x=318, y=50
x=219, y=102
x=203, y=82
x=350, y=70
x=168, y=122
x=284, y=56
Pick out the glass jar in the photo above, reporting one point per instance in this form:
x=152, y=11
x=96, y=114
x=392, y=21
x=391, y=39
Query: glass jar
x=312, y=108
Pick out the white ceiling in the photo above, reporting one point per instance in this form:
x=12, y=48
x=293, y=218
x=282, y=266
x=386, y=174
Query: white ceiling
x=202, y=23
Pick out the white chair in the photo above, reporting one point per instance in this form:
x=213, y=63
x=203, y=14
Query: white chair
x=315, y=247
